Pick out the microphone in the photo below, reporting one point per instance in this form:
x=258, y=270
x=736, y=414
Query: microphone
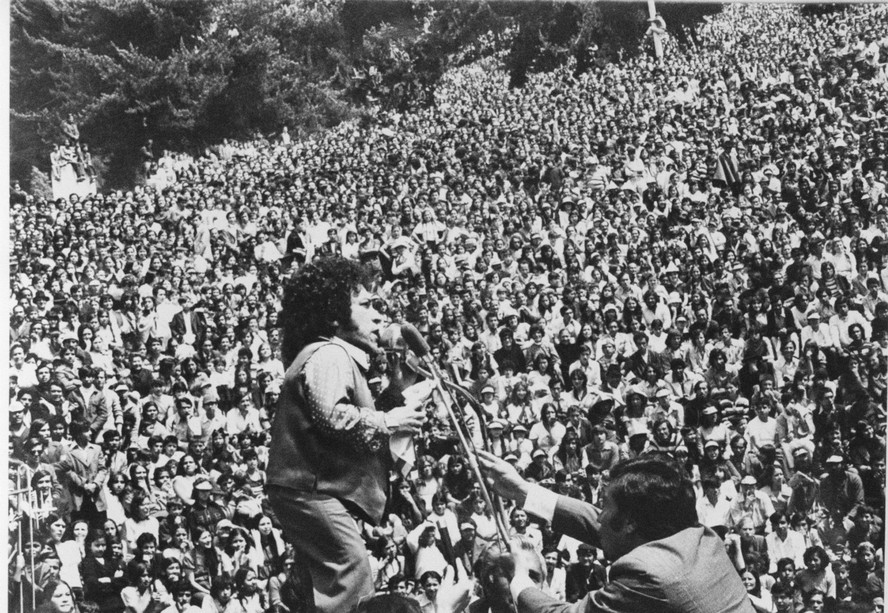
x=418, y=345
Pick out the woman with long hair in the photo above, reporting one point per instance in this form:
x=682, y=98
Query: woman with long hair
x=250, y=597
x=69, y=544
x=542, y=373
x=773, y=484
x=568, y=455
x=139, y=596
x=187, y=472
x=138, y=479
x=103, y=575
x=664, y=437
x=831, y=284
x=520, y=407
x=140, y=521
x=238, y=552
x=578, y=394
x=57, y=597
x=387, y=561
x=269, y=545
x=457, y=479
x=548, y=432
x=760, y=598
x=405, y=503
x=203, y=563
x=722, y=382
x=221, y=598
x=817, y=574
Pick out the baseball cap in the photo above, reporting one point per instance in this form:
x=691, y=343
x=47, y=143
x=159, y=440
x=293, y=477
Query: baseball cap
x=538, y=453
x=710, y=443
x=748, y=480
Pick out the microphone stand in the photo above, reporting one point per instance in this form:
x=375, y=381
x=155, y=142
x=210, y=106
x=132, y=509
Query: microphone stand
x=494, y=502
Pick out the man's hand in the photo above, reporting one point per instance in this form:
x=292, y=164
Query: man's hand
x=453, y=596
x=503, y=477
x=405, y=419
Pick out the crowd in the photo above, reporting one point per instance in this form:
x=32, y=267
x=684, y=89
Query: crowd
x=686, y=257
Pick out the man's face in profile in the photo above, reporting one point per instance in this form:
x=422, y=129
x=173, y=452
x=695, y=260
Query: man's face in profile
x=614, y=531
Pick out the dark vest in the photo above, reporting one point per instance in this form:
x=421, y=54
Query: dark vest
x=303, y=458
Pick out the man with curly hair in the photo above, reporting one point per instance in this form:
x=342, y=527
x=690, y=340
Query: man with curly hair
x=329, y=456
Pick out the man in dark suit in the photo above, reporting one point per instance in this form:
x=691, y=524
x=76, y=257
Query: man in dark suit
x=584, y=575
x=189, y=324
x=637, y=363
x=663, y=560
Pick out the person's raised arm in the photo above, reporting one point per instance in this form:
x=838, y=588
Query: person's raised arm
x=569, y=516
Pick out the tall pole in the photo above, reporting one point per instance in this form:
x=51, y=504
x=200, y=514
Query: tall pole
x=655, y=30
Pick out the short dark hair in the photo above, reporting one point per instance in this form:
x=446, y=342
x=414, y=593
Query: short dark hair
x=784, y=563
x=319, y=295
x=655, y=493
x=781, y=588
x=429, y=574
x=816, y=550
x=389, y=603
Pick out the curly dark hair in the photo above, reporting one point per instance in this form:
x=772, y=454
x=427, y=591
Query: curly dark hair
x=317, y=297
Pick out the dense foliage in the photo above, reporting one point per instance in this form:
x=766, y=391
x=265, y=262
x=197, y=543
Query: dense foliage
x=190, y=73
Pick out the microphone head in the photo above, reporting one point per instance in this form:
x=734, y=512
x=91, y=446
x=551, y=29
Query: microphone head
x=415, y=342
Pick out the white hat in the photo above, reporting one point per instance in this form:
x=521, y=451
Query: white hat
x=401, y=242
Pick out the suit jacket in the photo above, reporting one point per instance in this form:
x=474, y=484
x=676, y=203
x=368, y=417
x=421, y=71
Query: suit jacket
x=688, y=572
x=198, y=325
x=94, y=411
x=82, y=466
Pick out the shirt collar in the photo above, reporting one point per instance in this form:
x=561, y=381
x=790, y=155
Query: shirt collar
x=358, y=355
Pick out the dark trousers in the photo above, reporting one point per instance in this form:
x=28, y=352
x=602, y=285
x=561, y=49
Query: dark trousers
x=327, y=540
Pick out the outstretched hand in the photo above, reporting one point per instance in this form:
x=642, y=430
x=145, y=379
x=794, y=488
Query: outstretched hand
x=503, y=477
x=453, y=596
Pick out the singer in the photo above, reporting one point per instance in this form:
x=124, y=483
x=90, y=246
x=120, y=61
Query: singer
x=329, y=455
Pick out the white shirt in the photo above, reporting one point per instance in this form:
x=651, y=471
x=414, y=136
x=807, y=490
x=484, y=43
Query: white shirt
x=793, y=547
x=761, y=432
x=711, y=515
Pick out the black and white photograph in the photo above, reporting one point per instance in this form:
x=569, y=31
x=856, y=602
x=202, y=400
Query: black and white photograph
x=446, y=306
